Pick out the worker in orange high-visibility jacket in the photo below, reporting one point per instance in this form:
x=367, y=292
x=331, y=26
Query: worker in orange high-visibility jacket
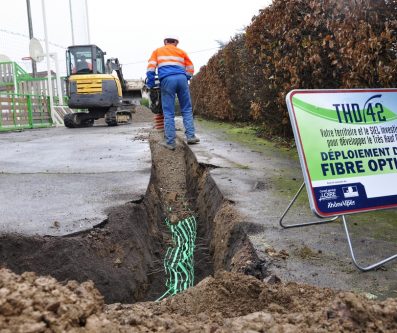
x=174, y=69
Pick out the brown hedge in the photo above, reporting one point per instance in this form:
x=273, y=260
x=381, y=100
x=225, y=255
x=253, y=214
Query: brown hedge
x=298, y=44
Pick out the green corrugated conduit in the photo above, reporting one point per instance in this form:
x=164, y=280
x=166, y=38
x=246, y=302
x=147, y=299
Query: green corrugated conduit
x=179, y=258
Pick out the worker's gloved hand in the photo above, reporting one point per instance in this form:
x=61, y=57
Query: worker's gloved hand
x=149, y=82
x=146, y=87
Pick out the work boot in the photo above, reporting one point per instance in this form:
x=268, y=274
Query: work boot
x=193, y=140
x=167, y=145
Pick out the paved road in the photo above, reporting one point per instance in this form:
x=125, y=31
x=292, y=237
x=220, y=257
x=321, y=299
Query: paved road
x=58, y=181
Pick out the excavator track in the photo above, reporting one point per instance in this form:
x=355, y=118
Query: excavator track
x=118, y=117
x=77, y=120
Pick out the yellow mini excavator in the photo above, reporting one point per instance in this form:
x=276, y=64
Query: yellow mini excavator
x=97, y=88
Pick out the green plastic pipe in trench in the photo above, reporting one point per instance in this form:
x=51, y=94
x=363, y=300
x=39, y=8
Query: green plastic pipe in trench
x=179, y=258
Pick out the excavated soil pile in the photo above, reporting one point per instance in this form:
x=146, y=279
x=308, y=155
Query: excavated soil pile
x=230, y=302
x=142, y=114
x=31, y=303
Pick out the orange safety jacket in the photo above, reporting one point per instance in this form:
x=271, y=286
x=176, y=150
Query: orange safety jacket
x=168, y=60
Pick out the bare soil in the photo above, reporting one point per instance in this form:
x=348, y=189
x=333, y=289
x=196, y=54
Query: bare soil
x=228, y=302
x=170, y=169
x=142, y=115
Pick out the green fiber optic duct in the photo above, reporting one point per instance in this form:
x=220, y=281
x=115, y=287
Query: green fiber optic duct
x=179, y=259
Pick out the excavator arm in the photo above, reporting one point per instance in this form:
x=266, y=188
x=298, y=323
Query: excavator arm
x=113, y=64
x=131, y=89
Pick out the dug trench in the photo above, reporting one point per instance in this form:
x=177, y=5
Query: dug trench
x=124, y=255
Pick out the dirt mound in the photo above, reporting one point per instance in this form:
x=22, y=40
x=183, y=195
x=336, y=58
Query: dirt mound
x=142, y=114
x=238, y=303
x=31, y=303
x=230, y=302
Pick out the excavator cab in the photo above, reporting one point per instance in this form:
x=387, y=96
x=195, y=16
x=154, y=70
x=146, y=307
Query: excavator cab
x=85, y=59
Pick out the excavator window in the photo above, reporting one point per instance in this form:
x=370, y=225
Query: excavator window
x=82, y=66
x=100, y=64
x=85, y=59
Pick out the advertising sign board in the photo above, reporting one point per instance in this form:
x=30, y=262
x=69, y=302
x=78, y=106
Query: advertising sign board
x=347, y=145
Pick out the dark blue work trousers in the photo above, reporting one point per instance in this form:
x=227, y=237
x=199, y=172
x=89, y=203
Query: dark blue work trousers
x=170, y=86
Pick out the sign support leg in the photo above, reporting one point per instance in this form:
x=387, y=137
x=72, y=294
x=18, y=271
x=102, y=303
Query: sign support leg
x=370, y=267
x=285, y=226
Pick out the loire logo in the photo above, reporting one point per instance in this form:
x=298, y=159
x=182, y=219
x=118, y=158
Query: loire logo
x=328, y=194
x=350, y=191
x=372, y=111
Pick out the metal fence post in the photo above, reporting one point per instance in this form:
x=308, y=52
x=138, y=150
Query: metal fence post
x=1, y=117
x=49, y=109
x=30, y=111
x=13, y=110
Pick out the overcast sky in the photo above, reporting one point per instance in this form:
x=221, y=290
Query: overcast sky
x=130, y=30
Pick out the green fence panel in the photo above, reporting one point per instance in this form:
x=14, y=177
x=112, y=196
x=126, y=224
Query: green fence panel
x=23, y=111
